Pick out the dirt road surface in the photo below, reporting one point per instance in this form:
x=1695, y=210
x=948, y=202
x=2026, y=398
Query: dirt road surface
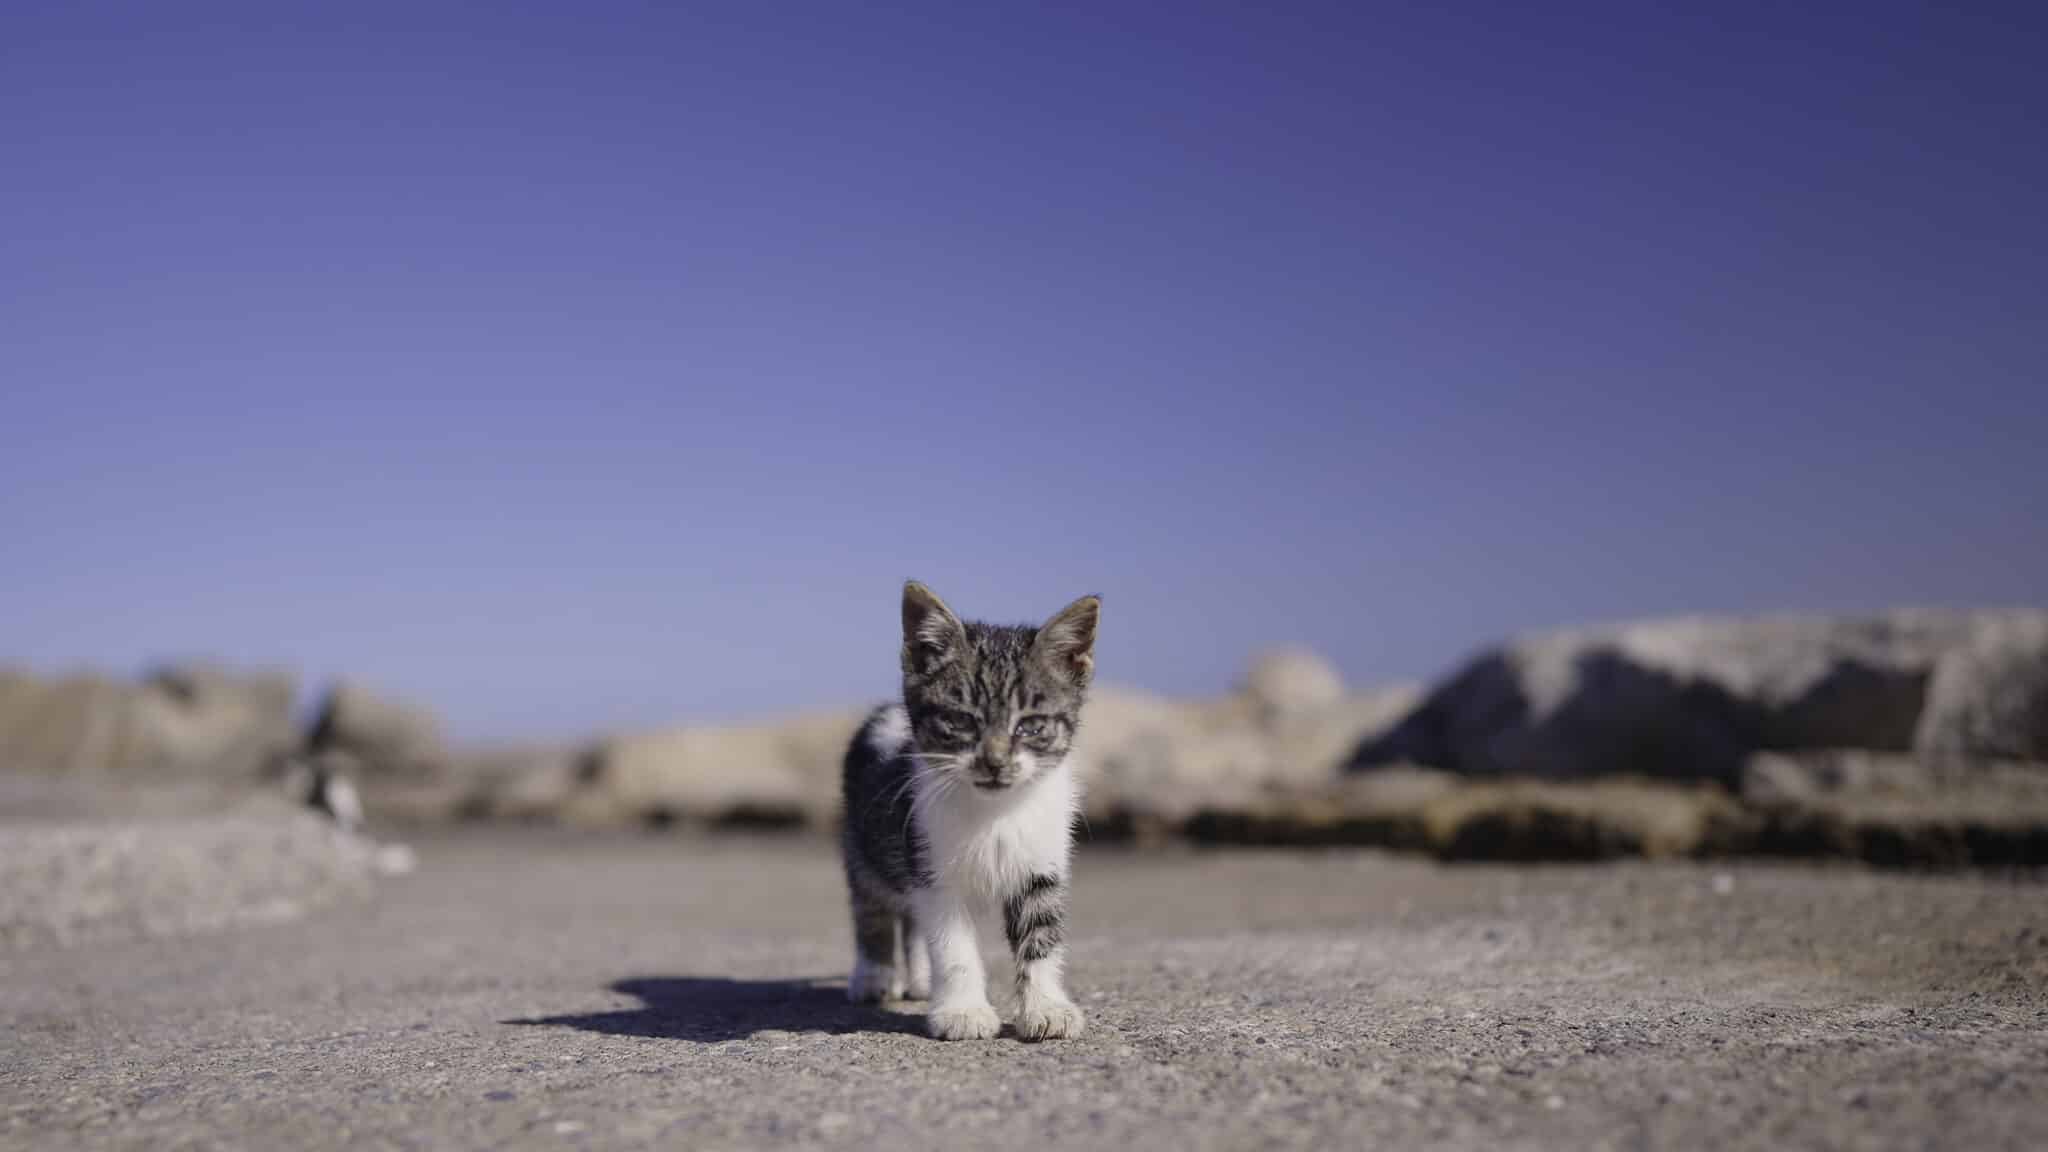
x=557, y=991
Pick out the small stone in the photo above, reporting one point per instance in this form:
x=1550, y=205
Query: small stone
x=1553, y=1103
x=1724, y=883
x=396, y=860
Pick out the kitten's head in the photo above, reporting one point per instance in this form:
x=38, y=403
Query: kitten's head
x=994, y=705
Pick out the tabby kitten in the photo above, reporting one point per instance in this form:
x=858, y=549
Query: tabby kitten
x=962, y=795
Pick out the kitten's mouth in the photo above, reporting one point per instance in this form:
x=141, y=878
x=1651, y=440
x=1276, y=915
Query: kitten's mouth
x=991, y=785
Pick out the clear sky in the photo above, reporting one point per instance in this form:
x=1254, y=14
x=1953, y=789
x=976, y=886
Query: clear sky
x=578, y=366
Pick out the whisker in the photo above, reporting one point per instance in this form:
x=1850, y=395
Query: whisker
x=936, y=784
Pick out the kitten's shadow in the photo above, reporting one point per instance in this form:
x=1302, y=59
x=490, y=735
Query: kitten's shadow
x=708, y=1009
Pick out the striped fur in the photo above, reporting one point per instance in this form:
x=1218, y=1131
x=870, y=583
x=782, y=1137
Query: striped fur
x=1034, y=918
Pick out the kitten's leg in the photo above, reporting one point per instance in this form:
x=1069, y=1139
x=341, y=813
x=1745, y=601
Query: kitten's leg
x=960, y=1008
x=1034, y=918
x=874, y=946
x=917, y=961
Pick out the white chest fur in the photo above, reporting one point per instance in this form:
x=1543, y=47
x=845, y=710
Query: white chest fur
x=991, y=844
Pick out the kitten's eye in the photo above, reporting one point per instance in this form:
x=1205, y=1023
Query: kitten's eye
x=955, y=722
x=1033, y=728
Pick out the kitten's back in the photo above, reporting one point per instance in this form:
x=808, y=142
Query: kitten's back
x=880, y=841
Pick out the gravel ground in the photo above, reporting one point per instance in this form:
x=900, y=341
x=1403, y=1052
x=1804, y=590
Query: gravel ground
x=104, y=881
x=558, y=991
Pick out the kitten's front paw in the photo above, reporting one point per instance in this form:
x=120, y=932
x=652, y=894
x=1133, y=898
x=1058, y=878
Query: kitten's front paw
x=964, y=1022
x=1050, y=1020
x=873, y=983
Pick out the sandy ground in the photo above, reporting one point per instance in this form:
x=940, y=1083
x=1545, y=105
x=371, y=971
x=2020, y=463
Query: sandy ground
x=556, y=991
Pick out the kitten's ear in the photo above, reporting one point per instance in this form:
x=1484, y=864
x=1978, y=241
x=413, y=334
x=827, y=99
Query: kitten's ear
x=930, y=630
x=1067, y=641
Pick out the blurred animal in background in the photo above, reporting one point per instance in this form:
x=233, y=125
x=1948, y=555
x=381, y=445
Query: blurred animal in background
x=315, y=782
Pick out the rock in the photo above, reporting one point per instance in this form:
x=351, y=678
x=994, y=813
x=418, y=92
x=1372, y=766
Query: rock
x=386, y=736
x=97, y=882
x=1818, y=776
x=413, y=801
x=1800, y=778
x=1382, y=809
x=1688, y=699
x=77, y=724
x=204, y=718
x=1898, y=809
x=1316, y=744
x=1143, y=755
x=1533, y=820
x=269, y=695
x=813, y=746
x=1918, y=835
x=1154, y=762
x=1883, y=809
x=186, y=721
x=527, y=784
x=1989, y=696
x=1290, y=681
x=1462, y=819
x=768, y=774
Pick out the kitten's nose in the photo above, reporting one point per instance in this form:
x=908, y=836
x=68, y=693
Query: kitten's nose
x=989, y=774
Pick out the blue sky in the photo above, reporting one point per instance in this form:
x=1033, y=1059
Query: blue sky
x=572, y=367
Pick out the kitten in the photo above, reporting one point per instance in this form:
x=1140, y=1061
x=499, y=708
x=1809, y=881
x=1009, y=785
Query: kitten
x=962, y=794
